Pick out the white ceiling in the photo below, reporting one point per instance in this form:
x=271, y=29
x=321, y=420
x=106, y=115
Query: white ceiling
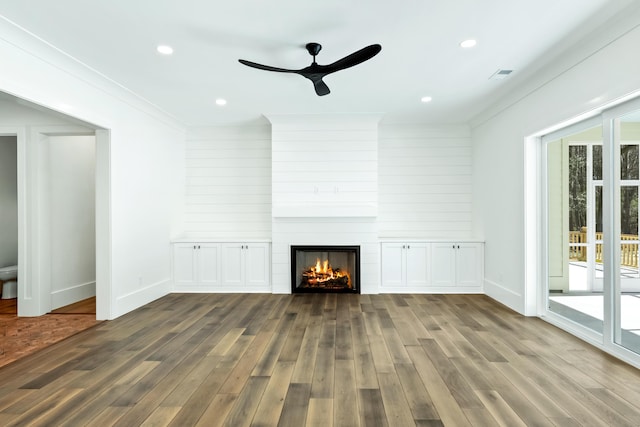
x=420, y=51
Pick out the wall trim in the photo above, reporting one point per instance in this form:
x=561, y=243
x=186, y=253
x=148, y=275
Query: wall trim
x=72, y=294
x=140, y=297
x=504, y=296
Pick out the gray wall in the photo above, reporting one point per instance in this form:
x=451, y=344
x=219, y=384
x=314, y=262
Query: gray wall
x=8, y=201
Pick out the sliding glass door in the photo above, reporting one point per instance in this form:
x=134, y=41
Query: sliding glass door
x=574, y=225
x=625, y=136
x=591, y=220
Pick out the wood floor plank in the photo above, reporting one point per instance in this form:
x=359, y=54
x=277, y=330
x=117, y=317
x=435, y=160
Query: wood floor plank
x=457, y=385
x=395, y=404
x=322, y=384
x=241, y=372
x=372, y=411
x=345, y=394
x=218, y=410
x=162, y=416
x=303, y=373
x=245, y=406
x=270, y=406
x=415, y=393
x=448, y=408
x=269, y=358
x=499, y=409
x=296, y=404
x=320, y=413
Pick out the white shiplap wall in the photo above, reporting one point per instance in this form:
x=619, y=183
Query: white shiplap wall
x=324, y=165
x=228, y=183
x=424, y=182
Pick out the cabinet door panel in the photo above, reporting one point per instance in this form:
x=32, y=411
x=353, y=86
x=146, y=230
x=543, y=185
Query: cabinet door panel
x=418, y=258
x=469, y=269
x=257, y=269
x=208, y=264
x=392, y=255
x=443, y=264
x=184, y=264
x=232, y=265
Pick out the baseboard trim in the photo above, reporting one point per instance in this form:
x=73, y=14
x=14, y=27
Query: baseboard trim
x=140, y=297
x=511, y=299
x=72, y=294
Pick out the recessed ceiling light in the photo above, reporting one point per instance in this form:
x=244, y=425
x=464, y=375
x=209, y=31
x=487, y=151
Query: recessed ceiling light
x=426, y=99
x=221, y=101
x=164, y=49
x=468, y=43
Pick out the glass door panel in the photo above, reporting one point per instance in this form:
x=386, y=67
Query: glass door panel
x=627, y=290
x=574, y=224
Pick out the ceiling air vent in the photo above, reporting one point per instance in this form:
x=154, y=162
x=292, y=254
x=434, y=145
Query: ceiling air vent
x=500, y=74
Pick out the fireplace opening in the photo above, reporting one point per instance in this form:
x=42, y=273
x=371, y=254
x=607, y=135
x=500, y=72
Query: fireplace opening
x=325, y=269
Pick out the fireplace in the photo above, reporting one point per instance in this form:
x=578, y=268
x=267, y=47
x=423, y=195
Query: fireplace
x=325, y=269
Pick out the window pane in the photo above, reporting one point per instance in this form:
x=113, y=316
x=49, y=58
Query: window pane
x=577, y=187
x=597, y=162
x=629, y=162
x=629, y=211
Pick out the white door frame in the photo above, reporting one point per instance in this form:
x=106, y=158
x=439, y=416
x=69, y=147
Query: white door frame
x=33, y=282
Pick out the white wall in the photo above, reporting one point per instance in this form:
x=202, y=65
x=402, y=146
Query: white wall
x=598, y=70
x=425, y=182
x=324, y=165
x=228, y=183
x=8, y=201
x=143, y=157
x=72, y=223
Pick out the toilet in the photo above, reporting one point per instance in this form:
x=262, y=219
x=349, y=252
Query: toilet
x=9, y=279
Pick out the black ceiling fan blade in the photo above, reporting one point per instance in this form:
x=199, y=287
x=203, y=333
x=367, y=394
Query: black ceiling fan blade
x=355, y=58
x=320, y=87
x=265, y=67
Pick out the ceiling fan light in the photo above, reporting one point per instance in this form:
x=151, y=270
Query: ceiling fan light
x=221, y=102
x=425, y=99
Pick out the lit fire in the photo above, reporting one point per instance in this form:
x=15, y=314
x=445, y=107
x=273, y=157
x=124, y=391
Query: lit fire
x=324, y=275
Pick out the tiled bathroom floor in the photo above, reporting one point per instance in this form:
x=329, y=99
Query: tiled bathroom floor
x=21, y=336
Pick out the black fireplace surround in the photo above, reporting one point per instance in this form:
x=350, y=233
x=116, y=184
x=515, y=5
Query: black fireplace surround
x=325, y=269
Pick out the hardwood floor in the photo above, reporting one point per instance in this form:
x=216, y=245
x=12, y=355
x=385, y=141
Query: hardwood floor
x=321, y=359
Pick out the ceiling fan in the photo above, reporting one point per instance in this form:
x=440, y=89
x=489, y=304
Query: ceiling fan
x=315, y=72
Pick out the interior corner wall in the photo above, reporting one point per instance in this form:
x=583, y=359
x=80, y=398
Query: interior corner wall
x=8, y=201
x=608, y=71
x=144, y=153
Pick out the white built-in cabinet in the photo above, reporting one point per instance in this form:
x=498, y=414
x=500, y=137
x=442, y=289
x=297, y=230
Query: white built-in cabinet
x=437, y=267
x=222, y=267
x=196, y=265
x=405, y=264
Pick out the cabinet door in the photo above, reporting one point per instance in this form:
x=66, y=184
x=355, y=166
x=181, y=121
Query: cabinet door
x=469, y=264
x=393, y=264
x=443, y=264
x=232, y=265
x=257, y=266
x=184, y=264
x=208, y=264
x=417, y=264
